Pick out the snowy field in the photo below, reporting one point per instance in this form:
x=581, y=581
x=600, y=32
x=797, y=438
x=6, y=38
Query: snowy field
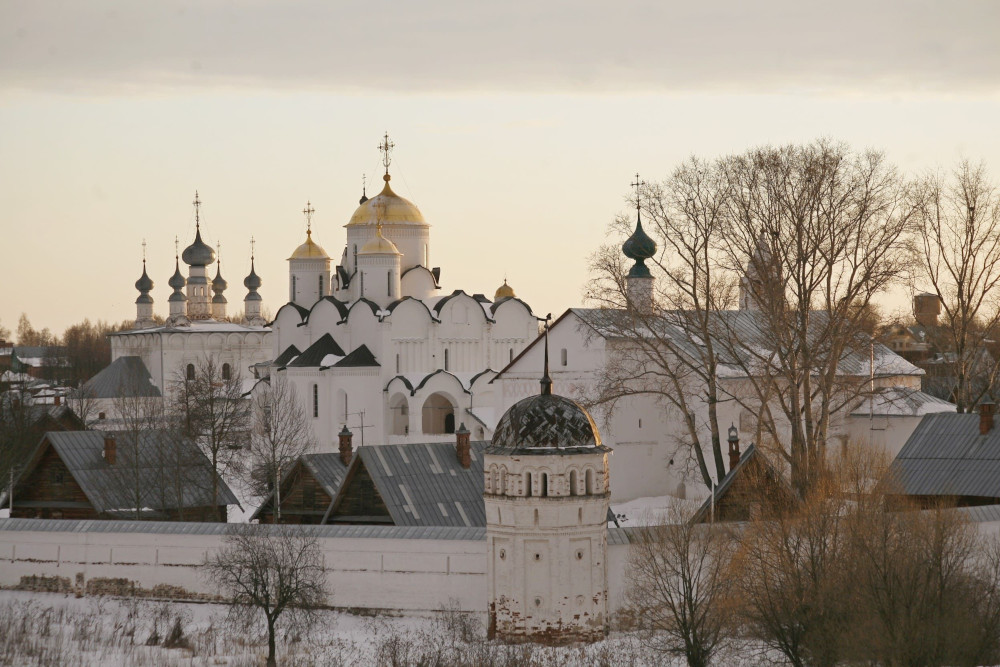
x=40, y=629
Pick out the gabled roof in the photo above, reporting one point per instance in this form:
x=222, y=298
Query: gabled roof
x=751, y=454
x=125, y=376
x=315, y=353
x=327, y=469
x=287, y=356
x=360, y=357
x=107, y=486
x=424, y=484
x=946, y=456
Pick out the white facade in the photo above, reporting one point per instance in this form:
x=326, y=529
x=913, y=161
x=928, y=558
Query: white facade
x=409, y=361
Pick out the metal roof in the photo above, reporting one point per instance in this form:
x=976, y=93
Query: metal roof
x=192, y=528
x=288, y=355
x=425, y=485
x=327, y=469
x=946, y=455
x=361, y=356
x=902, y=402
x=125, y=376
x=315, y=353
x=165, y=466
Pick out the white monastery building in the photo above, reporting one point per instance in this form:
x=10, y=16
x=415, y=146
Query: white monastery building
x=376, y=343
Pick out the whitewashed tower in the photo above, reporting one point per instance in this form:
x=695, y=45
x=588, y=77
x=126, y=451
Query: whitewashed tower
x=144, y=302
x=252, y=301
x=308, y=269
x=219, y=285
x=197, y=256
x=546, y=495
x=639, y=247
x=177, y=301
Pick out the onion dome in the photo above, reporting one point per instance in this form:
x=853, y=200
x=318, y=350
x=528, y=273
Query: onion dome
x=379, y=245
x=639, y=247
x=198, y=253
x=545, y=424
x=391, y=209
x=504, y=291
x=219, y=283
x=252, y=282
x=177, y=282
x=309, y=250
x=144, y=283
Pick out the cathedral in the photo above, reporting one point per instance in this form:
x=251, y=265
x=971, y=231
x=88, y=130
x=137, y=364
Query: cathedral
x=377, y=344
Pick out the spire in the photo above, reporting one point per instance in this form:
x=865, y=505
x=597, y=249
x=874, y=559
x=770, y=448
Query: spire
x=251, y=302
x=546, y=380
x=364, y=189
x=386, y=147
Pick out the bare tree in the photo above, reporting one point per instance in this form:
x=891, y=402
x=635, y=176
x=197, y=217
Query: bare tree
x=959, y=230
x=215, y=414
x=679, y=588
x=84, y=404
x=138, y=416
x=280, y=433
x=269, y=571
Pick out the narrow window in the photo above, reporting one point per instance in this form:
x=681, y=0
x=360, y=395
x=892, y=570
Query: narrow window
x=446, y=359
x=537, y=556
x=563, y=356
x=397, y=363
x=640, y=423
x=315, y=400
x=227, y=372
x=189, y=374
x=574, y=483
x=362, y=284
x=502, y=486
x=292, y=292
x=321, y=287
x=355, y=258
x=388, y=283
x=543, y=488
x=590, y=481
x=527, y=484
x=510, y=355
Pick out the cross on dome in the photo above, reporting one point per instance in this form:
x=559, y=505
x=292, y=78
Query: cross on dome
x=253, y=243
x=309, y=210
x=638, y=184
x=386, y=147
x=197, y=210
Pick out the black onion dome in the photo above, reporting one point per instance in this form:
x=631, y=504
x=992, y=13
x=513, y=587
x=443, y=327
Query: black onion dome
x=144, y=283
x=219, y=283
x=639, y=246
x=253, y=281
x=546, y=424
x=198, y=253
x=177, y=280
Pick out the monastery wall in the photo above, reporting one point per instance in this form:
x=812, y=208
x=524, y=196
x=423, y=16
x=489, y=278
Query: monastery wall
x=384, y=572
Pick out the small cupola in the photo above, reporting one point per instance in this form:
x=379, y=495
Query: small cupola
x=505, y=291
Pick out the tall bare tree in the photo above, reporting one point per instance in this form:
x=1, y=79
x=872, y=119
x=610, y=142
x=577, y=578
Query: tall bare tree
x=959, y=231
x=269, y=571
x=280, y=433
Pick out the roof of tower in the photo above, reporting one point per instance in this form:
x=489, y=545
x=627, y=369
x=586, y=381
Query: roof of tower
x=177, y=280
x=219, y=283
x=388, y=208
x=309, y=250
x=504, y=291
x=252, y=282
x=546, y=424
x=144, y=283
x=379, y=245
x=198, y=253
x=639, y=246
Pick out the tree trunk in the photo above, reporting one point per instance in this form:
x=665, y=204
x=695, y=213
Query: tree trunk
x=271, y=661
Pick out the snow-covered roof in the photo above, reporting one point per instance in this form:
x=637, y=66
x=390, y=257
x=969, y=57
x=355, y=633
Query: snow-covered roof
x=902, y=402
x=198, y=326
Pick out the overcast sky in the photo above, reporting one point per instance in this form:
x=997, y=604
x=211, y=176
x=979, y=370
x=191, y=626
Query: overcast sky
x=517, y=124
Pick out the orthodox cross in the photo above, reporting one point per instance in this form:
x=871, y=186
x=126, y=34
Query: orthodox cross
x=144, y=253
x=364, y=185
x=197, y=210
x=218, y=252
x=252, y=244
x=638, y=184
x=386, y=147
x=309, y=210
x=177, y=247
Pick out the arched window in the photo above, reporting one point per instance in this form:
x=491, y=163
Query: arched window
x=227, y=372
x=321, y=286
x=543, y=486
x=490, y=481
x=527, y=484
x=563, y=356
x=446, y=359
x=397, y=363
x=590, y=481
x=388, y=283
x=315, y=401
x=574, y=483
x=362, y=284
x=292, y=291
x=502, y=484
x=510, y=355
x=189, y=373
x=355, y=258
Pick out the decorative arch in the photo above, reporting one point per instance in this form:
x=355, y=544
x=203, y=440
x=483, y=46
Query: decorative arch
x=399, y=414
x=438, y=414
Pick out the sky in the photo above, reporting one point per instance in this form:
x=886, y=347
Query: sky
x=518, y=125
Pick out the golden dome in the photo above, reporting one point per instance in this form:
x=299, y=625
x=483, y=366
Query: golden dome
x=379, y=245
x=389, y=208
x=504, y=291
x=309, y=250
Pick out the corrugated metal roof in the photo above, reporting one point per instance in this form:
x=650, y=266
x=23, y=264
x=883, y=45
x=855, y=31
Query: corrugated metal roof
x=190, y=528
x=425, y=485
x=946, y=455
x=167, y=471
x=125, y=376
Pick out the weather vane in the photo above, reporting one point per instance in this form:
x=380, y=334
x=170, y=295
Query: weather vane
x=638, y=184
x=309, y=210
x=197, y=210
x=386, y=147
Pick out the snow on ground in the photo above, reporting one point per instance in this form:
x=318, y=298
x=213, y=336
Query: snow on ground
x=653, y=511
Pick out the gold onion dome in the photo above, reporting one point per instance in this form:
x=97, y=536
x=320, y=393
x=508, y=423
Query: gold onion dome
x=504, y=291
x=309, y=250
x=388, y=208
x=379, y=245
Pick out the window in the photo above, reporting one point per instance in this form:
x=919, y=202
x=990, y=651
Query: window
x=543, y=489
x=510, y=355
x=227, y=372
x=563, y=356
x=397, y=363
x=502, y=486
x=292, y=290
x=362, y=284
x=321, y=287
x=388, y=283
x=590, y=481
x=189, y=373
x=355, y=258
x=527, y=484
x=315, y=401
x=446, y=359
x=574, y=483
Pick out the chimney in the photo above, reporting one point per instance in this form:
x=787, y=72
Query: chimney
x=462, y=448
x=346, y=450
x=734, y=447
x=110, y=451
x=57, y=399
x=926, y=309
x=986, y=409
